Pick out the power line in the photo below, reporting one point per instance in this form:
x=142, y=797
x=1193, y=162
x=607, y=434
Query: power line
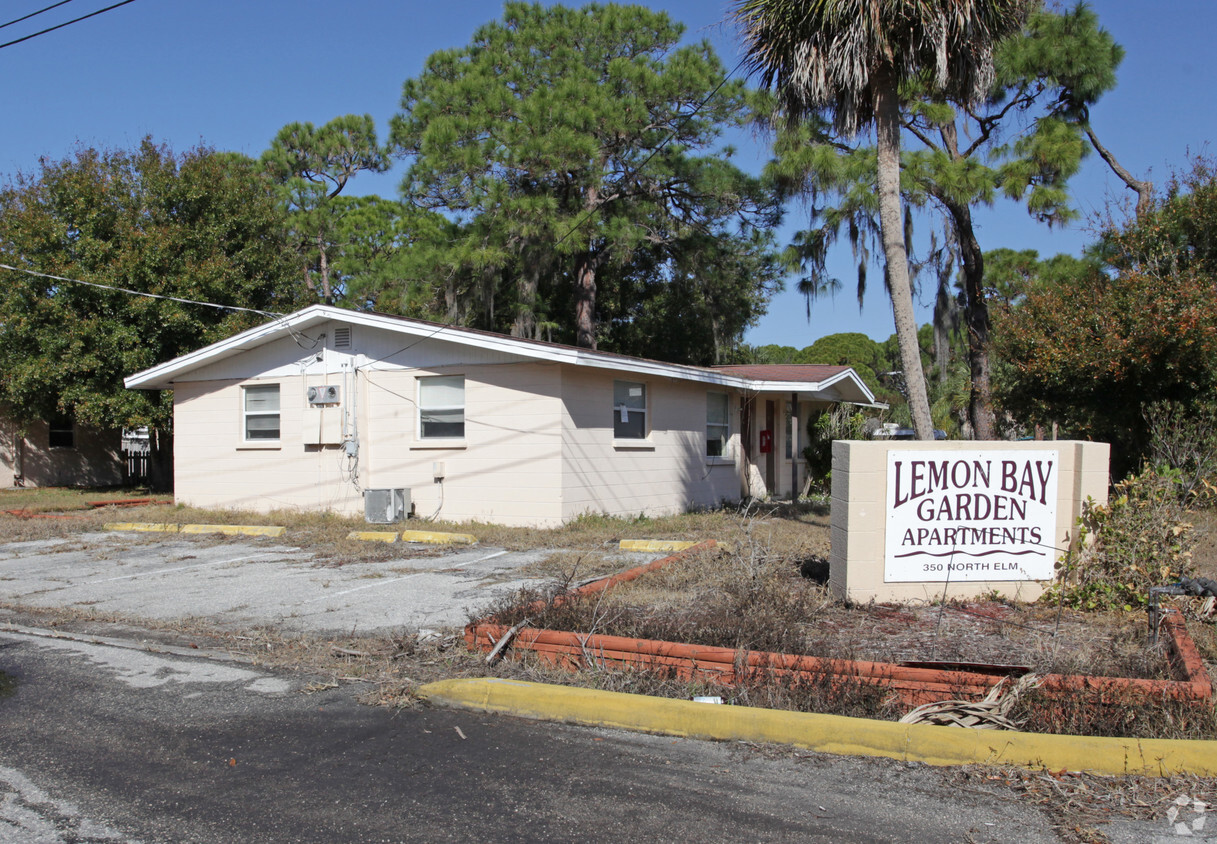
x=68, y=23
x=270, y=314
x=35, y=14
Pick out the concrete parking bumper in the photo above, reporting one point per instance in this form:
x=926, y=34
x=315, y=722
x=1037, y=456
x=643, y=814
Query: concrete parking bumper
x=228, y=530
x=827, y=733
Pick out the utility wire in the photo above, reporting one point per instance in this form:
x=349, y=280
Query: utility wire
x=271, y=314
x=62, y=25
x=587, y=214
x=34, y=14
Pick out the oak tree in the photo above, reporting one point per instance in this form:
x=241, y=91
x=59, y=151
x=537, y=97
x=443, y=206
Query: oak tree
x=88, y=234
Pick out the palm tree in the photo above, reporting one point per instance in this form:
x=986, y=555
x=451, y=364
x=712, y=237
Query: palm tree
x=850, y=57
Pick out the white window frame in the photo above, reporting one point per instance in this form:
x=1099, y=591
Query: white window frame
x=622, y=413
x=247, y=414
x=424, y=409
x=723, y=429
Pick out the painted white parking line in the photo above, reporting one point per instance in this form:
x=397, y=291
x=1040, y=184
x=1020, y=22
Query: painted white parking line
x=181, y=568
x=399, y=579
x=361, y=588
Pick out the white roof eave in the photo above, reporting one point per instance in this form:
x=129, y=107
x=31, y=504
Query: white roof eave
x=161, y=377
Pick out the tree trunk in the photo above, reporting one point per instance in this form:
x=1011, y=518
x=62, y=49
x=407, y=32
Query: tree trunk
x=525, y=324
x=327, y=295
x=976, y=314
x=943, y=329
x=585, y=302
x=887, y=131
x=585, y=287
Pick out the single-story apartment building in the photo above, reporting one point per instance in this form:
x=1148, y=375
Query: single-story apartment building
x=313, y=409
x=60, y=452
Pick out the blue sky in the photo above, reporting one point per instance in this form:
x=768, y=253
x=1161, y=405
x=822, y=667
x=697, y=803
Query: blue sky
x=231, y=73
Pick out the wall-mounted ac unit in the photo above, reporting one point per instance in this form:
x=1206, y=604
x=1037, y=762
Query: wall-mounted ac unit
x=328, y=394
x=385, y=506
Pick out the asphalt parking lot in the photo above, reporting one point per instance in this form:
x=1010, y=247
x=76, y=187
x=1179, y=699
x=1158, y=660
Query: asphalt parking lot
x=241, y=583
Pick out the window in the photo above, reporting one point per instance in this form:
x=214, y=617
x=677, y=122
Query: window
x=629, y=410
x=718, y=424
x=441, y=407
x=261, y=412
x=61, y=432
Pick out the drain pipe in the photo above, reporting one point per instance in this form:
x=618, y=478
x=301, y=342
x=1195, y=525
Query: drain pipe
x=1199, y=587
x=1155, y=611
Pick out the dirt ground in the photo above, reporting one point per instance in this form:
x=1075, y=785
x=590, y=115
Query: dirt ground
x=1205, y=553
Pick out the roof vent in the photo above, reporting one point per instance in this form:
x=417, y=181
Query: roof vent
x=342, y=337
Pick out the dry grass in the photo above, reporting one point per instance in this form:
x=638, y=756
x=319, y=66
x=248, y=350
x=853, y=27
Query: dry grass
x=764, y=602
x=760, y=598
x=784, y=523
x=1080, y=804
x=326, y=533
x=63, y=499
x=573, y=567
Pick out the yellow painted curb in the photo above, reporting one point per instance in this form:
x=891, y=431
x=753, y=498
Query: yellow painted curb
x=655, y=546
x=141, y=526
x=437, y=538
x=236, y=530
x=373, y=535
x=828, y=733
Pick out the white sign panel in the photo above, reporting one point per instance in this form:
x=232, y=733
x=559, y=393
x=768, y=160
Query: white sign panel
x=970, y=515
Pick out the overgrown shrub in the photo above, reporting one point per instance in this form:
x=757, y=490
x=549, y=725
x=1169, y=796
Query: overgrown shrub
x=839, y=422
x=1183, y=441
x=1141, y=538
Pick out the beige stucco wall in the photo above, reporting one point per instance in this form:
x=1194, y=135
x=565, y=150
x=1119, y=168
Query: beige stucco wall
x=506, y=469
x=213, y=467
x=538, y=447
x=95, y=460
x=668, y=472
x=859, y=515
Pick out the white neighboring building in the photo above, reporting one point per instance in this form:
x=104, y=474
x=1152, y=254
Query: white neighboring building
x=310, y=410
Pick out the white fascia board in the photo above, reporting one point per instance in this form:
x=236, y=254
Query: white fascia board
x=849, y=376
x=854, y=379
x=162, y=377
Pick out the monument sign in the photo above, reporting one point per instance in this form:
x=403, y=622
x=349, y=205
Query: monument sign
x=927, y=520
x=971, y=515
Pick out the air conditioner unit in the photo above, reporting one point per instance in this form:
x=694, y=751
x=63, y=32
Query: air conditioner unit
x=323, y=395
x=385, y=506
